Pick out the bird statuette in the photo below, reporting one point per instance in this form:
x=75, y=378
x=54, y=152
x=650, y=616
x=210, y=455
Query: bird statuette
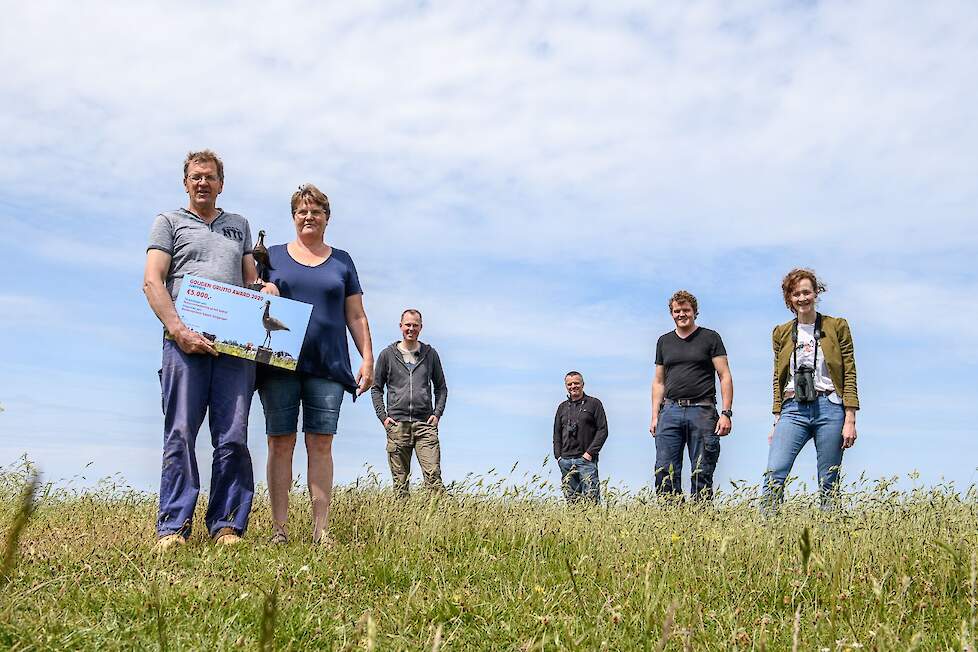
x=260, y=252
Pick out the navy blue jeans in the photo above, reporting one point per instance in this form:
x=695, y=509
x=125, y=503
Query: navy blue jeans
x=579, y=479
x=820, y=420
x=195, y=385
x=694, y=428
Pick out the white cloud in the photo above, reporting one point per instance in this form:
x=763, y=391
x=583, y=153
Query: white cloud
x=733, y=119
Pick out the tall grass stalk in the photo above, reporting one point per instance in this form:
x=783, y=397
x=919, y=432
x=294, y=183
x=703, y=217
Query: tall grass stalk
x=666, y=628
x=266, y=641
x=157, y=608
x=25, y=507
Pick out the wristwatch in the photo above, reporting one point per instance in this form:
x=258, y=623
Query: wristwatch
x=727, y=413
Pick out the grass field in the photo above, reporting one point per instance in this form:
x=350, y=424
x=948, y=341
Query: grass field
x=491, y=568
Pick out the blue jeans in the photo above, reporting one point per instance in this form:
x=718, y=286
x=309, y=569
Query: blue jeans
x=820, y=420
x=693, y=427
x=220, y=387
x=282, y=391
x=579, y=479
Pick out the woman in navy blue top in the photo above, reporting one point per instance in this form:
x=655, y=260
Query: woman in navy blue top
x=309, y=270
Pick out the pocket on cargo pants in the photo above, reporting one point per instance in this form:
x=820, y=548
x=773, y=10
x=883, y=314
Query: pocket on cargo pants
x=396, y=436
x=399, y=456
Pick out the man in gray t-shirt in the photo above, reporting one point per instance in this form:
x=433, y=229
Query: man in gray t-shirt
x=214, y=250
x=205, y=241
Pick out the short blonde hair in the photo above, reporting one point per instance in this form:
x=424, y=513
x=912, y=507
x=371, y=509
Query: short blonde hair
x=312, y=194
x=204, y=156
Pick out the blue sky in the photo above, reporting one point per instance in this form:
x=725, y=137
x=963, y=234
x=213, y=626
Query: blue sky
x=536, y=178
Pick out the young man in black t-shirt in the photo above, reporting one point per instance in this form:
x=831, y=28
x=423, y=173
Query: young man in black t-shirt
x=684, y=410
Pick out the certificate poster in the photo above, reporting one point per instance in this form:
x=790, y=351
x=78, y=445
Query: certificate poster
x=244, y=323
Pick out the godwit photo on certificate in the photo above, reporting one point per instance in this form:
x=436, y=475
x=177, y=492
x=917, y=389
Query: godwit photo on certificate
x=244, y=323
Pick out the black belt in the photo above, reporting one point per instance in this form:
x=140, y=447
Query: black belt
x=691, y=402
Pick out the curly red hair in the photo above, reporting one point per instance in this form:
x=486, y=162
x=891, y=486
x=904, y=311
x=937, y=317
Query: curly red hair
x=794, y=277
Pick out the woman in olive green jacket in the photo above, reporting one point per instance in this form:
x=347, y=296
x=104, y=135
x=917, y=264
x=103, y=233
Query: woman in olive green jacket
x=814, y=389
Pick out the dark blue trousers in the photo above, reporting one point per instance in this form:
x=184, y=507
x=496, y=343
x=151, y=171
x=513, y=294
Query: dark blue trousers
x=686, y=427
x=579, y=479
x=220, y=387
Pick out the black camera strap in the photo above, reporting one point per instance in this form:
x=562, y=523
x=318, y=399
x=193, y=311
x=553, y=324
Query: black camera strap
x=794, y=340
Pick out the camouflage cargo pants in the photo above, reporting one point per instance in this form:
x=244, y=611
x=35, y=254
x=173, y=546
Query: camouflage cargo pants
x=418, y=437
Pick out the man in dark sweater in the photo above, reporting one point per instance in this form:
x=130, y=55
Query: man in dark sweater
x=410, y=369
x=580, y=430
x=684, y=412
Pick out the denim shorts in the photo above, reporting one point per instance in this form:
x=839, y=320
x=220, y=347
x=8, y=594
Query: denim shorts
x=281, y=392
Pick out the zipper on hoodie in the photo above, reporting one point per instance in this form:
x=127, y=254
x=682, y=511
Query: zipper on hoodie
x=411, y=384
x=410, y=381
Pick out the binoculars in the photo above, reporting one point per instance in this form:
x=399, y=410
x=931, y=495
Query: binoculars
x=805, y=391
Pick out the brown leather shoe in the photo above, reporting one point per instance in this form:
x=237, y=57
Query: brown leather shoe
x=169, y=542
x=227, y=536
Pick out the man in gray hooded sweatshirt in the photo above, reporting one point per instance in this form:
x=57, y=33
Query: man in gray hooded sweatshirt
x=410, y=369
